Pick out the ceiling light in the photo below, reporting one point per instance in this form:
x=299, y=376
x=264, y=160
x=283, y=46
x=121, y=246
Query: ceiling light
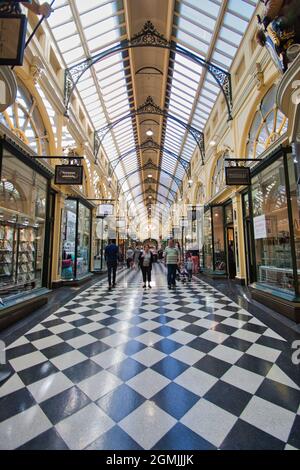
x=149, y=176
x=212, y=143
x=190, y=181
x=149, y=132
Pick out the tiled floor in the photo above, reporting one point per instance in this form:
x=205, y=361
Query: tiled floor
x=151, y=369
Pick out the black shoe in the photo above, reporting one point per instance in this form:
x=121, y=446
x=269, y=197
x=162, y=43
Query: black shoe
x=114, y=285
x=169, y=287
x=144, y=286
x=149, y=286
x=109, y=287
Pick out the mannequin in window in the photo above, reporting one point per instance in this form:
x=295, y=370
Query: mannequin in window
x=281, y=21
x=12, y=6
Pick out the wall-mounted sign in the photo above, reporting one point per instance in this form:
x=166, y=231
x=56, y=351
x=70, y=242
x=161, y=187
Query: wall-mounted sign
x=260, y=227
x=12, y=38
x=105, y=209
x=68, y=174
x=237, y=175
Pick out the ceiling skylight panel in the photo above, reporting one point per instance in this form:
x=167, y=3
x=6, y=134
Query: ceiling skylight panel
x=205, y=19
x=70, y=43
x=221, y=60
x=186, y=71
x=235, y=23
x=192, y=29
x=183, y=91
x=212, y=7
x=60, y=16
x=225, y=49
x=59, y=32
x=85, y=84
x=102, y=40
x=96, y=15
x=242, y=8
x=110, y=80
x=84, y=6
x=76, y=55
x=230, y=36
x=109, y=88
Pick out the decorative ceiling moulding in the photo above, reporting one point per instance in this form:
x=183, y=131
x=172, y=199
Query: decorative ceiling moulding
x=150, y=107
x=148, y=37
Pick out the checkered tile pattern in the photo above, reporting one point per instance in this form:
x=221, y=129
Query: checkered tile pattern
x=150, y=369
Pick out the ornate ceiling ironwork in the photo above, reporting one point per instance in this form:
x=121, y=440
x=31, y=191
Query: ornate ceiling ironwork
x=151, y=144
x=149, y=107
x=151, y=166
x=147, y=37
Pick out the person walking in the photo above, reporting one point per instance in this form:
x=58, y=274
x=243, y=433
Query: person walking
x=189, y=267
x=136, y=258
x=129, y=257
x=146, y=261
x=172, y=258
x=111, y=257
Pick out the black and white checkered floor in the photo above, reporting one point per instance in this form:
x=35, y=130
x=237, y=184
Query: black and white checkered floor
x=155, y=369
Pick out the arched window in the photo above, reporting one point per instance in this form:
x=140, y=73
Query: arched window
x=218, y=179
x=268, y=125
x=24, y=120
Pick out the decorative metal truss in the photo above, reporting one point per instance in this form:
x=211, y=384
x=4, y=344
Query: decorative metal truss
x=149, y=107
x=148, y=37
x=150, y=190
x=148, y=167
x=150, y=144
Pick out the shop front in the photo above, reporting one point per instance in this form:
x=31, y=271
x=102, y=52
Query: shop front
x=219, y=241
x=24, y=232
x=76, y=240
x=272, y=231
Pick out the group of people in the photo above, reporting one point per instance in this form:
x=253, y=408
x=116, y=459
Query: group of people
x=143, y=258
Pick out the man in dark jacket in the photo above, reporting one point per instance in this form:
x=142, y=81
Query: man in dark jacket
x=111, y=257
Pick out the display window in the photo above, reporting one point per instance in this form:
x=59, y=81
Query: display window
x=272, y=237
x=207, y=242
x=218, y=237
x=23, y=198
x=76, y=239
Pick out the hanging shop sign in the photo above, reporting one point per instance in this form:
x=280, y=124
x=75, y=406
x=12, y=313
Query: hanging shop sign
x=68, y=174
x=13, y=26
x=105, y=210
x=237, y=176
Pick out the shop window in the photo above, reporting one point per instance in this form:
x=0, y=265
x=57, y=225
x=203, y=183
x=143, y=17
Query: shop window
x=268, y=125
x=24, y=120
x=23, y=195
x=207, y=242
x=218, y=235
x=76, y=231
x=274, y=264
x=294, y=179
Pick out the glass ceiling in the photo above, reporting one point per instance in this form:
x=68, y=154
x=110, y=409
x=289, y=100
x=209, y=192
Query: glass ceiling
x=211, y=28
x=193, y=91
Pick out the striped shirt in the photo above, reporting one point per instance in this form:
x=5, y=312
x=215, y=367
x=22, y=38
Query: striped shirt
x=171, y=255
